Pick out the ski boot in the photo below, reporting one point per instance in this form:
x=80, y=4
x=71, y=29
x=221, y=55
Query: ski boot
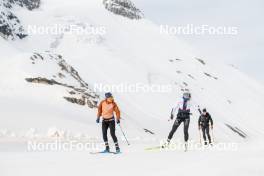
x=107, y=148
x=185, y=146
x=210, y=143
x=166, y=144
x=117, y=148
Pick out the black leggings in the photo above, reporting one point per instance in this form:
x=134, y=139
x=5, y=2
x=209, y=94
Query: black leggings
x=176, y=124
x=206, y=132
x=105, y=126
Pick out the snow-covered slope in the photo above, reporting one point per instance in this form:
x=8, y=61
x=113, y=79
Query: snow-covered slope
x=48, y=79
x=42, y=71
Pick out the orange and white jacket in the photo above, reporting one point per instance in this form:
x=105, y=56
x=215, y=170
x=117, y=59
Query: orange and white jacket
x=106, y=110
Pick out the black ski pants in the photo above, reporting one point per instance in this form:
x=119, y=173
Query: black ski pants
x=109, y=124
x=206, y=133
x=175, y=126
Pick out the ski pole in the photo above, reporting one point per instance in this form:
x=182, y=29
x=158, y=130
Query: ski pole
x=123, y=134
x=200, y=137
x=212, y=133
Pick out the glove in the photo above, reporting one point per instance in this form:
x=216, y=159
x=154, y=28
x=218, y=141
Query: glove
x=118, y=121
x=98, y=120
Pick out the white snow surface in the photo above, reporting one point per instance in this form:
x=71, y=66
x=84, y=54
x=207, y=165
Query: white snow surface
x=130, y=52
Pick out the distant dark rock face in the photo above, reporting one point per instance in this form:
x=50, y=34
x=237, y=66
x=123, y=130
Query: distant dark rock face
x=10, y=25
x=29, y=4
x=237, y=130
x=201, y=61
x=79, y=101
x=124, y=8
x=77, y=90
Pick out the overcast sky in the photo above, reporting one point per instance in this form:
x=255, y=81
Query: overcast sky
x=245, y=50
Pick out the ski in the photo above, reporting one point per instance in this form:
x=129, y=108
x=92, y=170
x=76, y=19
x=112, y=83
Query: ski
x=117, y=153
x=157, y=147
x=154, y=148
x=104, y=152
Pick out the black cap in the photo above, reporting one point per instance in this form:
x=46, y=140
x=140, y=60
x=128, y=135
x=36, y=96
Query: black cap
x=108, y=95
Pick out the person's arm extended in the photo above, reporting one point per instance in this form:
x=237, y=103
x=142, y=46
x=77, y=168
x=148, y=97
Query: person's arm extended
x=174, y=110
x=199, y=122
x=117, y=111
x=99, y=110
x=211, y=120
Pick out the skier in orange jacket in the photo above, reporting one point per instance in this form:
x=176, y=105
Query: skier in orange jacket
x=106, y=110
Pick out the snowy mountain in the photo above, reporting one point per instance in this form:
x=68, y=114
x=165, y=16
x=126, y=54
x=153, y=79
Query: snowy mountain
x=124, y=8
x=48, y=77
x=10, y=25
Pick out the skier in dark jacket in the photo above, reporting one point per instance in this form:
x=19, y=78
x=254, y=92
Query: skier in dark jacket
x=106, y=110
x=183, y=116
x=204, y=123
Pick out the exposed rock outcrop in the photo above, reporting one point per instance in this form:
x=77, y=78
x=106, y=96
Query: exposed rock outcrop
x=29, y=4
x=77, y=90
x=10, y=25
x=237, y=130
x=124, y=8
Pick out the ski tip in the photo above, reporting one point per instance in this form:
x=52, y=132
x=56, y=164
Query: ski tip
x=117, y=153
x=104, y=152
x=153, y=148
